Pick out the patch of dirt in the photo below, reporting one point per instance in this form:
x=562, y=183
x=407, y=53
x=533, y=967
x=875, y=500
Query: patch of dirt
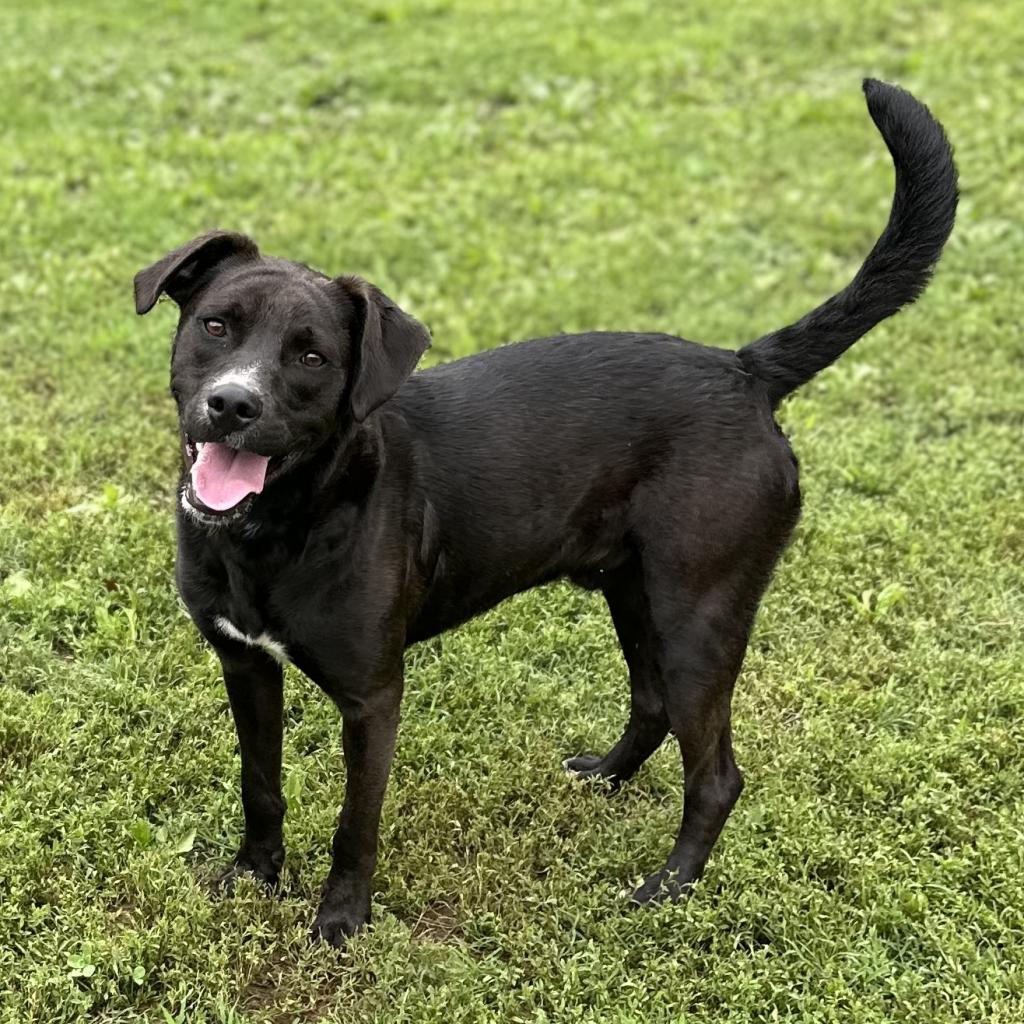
x=439, y=922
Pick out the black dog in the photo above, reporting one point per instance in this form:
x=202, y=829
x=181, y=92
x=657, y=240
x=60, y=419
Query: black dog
x=335, y=509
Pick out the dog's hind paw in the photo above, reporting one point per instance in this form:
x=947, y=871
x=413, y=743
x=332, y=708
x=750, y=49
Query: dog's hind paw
x=581, y=763
x=590, y=766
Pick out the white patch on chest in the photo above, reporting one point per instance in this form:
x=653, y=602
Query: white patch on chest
x=269, y=644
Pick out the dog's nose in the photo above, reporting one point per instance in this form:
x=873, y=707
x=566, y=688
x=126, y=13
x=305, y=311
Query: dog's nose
x=233, y=407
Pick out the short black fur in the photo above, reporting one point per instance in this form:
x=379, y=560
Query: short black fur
x=641, y=465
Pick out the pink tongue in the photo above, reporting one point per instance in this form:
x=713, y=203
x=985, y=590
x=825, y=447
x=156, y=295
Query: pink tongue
x=223, y=476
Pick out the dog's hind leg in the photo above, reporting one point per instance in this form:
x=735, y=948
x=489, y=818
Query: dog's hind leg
x=702, y=639
x=648, y=723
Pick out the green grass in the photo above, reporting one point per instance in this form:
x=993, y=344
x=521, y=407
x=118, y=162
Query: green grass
x=506, y=170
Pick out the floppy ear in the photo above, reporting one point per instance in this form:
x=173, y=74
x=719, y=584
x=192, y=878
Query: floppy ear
x=387, y=345
x=180, y=271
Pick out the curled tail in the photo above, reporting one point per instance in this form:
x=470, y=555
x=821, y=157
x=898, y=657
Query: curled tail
x=898, y=267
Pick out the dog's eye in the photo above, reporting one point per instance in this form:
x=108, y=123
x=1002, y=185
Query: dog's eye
x=313, y=359
x=215, y=328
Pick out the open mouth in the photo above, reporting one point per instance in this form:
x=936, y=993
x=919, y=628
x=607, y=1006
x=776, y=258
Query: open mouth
x=222, y=478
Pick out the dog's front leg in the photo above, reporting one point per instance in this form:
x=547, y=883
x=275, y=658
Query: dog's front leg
x=255, y=690
x=368, y=738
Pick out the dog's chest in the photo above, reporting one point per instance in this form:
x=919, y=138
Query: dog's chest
x=284, y=602
x=246, y=610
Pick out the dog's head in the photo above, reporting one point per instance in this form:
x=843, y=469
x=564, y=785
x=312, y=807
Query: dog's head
x=270, y=358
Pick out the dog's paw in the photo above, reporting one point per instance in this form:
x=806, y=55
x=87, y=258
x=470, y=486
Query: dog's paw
x=264, y=869
x=336, y=925
x=664, y=886
x=590, y=766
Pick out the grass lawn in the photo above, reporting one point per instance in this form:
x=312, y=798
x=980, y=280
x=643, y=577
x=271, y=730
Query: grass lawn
x=506, y=170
